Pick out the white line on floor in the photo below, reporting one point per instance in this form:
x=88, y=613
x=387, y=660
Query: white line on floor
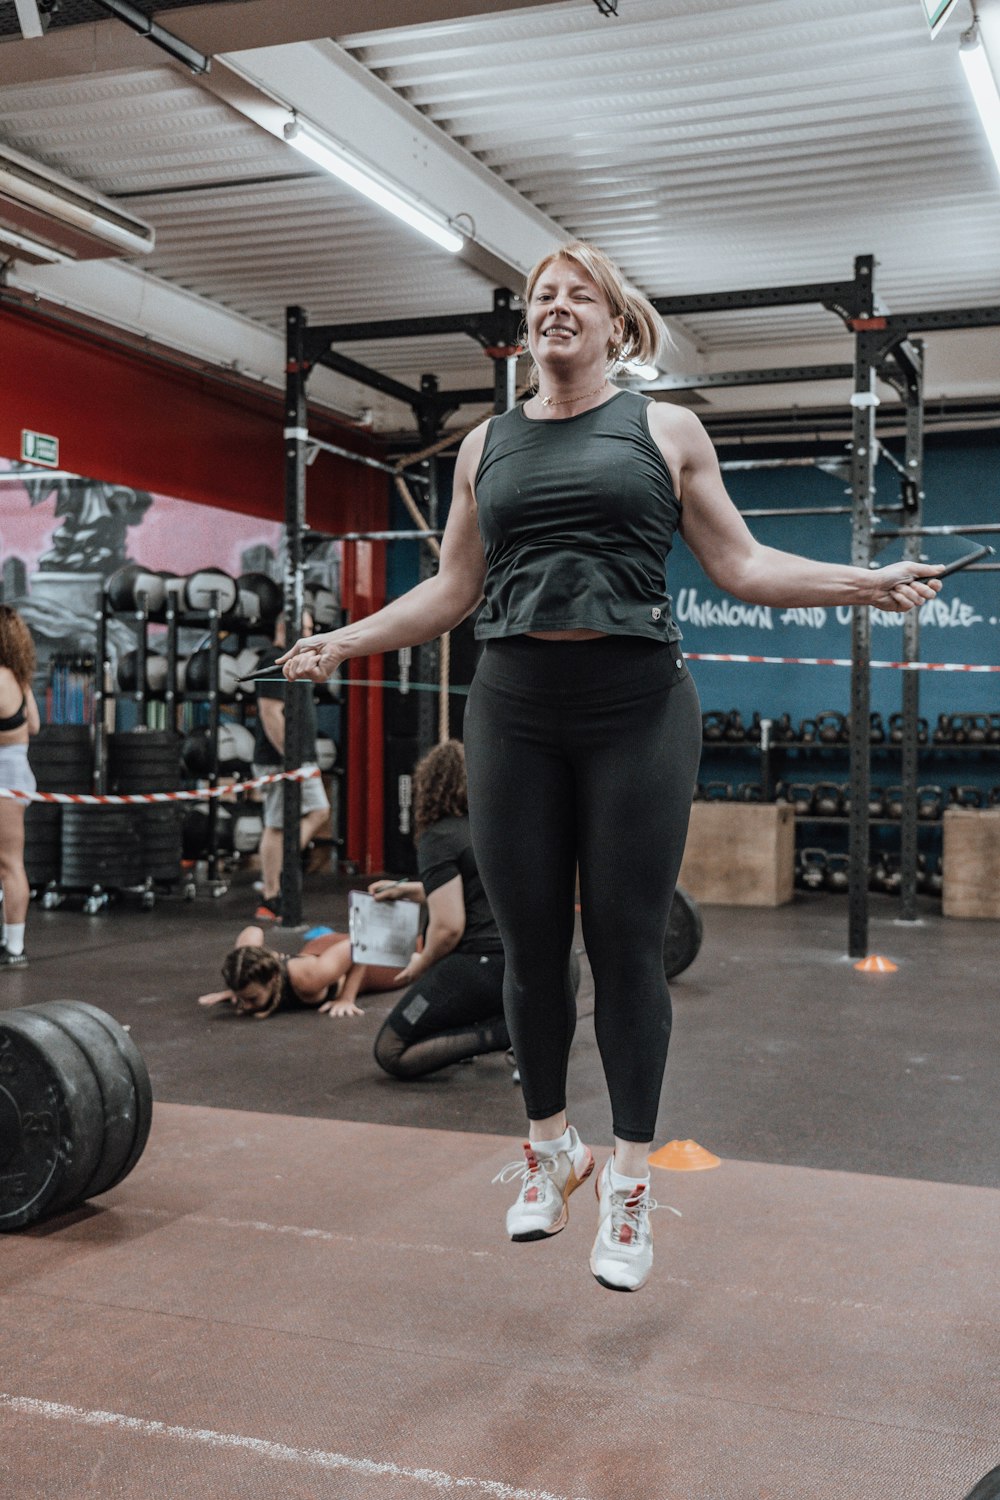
x=263, y=1227
x=279, y=1452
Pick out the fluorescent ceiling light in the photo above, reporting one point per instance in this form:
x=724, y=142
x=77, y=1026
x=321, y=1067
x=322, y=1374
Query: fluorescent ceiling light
x=983, y=85
x=36, y=201
x=25, y=248
x=342, y=163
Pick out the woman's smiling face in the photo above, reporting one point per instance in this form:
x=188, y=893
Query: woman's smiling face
x=569, y=321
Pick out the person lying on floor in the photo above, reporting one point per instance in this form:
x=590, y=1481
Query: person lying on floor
x=453, y=1006
x=322, y=977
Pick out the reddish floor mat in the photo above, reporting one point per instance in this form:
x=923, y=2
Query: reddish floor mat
x=275, y=1306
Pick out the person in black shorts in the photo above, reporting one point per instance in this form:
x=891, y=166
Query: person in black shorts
x=583, y=728
x=453, y=1006
x=268, y=756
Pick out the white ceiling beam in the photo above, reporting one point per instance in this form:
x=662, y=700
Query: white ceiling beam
x=333, y=91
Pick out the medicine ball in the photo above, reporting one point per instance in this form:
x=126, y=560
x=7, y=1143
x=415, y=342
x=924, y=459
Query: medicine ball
x=323, y=606
x=268, y=595
x=210, y=587
x=236, y=746
x=133, y=586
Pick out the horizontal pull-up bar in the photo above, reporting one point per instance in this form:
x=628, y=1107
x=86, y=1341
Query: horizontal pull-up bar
x=317, y=444
x=383, y=536
x=978, y=526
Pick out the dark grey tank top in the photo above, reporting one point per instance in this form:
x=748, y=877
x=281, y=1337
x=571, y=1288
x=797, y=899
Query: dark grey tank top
x=577, y=517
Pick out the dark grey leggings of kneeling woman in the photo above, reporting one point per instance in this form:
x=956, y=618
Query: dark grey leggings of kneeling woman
x=454, y=1011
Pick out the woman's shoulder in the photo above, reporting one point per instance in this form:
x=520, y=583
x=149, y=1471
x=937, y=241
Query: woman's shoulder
x=9, y=685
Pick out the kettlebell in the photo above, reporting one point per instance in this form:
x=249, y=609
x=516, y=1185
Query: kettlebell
x=826, y=799
x=993, y=729
x=807, y=731
x=734, y=729
x=831, y=727
x=942, y=733
x=966, y=796
x=800, y=795
x=958, y=729
x=813, y=868
x=876, y=730
x=894, y=802
x=749, y=791
x=930, y=801
x=876, y=802
x=783, y=731
x=976, y=729
x=713, y=725
x=718, y=791
x=837, y=868
x=754, y=730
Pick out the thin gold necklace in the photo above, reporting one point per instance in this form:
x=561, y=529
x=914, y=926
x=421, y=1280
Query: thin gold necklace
x=548, y=401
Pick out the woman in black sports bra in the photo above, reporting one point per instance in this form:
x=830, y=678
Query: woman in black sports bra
x=18, y=721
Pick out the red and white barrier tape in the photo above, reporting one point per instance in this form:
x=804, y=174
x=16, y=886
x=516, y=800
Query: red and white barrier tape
x=842, y=661
x=87, y=799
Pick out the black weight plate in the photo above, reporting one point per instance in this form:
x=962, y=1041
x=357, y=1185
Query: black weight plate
x=684, y=934
x=140, y=1079
x=54, y=1103
x=115, y=1082
x=988, y=1487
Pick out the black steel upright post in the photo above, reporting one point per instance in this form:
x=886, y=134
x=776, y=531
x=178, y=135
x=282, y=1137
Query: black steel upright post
x=504, y=383
x=427, y=658
x=296, y=435
x=912, y=498
x=863, y=404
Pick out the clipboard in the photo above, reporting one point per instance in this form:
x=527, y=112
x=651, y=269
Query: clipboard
x=382, y=932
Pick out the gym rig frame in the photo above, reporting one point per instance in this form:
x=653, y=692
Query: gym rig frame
x=885, y=348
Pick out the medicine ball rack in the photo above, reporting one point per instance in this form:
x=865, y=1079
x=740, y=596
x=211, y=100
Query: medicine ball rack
x=884, y=348
x=106, y=692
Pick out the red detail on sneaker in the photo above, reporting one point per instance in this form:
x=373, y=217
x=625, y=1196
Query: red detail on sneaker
x=625, y=1235
x=531, y=1196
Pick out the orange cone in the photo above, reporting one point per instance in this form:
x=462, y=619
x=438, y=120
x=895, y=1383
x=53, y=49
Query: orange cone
x=875, y=964
x=684, y=1156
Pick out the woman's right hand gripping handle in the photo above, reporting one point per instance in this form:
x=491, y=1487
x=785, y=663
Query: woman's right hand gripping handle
x=314, y=657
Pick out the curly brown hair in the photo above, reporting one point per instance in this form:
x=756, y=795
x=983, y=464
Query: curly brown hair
x=439, y=786
x=17, y=649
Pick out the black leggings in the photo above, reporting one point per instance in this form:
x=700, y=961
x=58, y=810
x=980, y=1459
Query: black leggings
x=583, y=753
x=455, y=1010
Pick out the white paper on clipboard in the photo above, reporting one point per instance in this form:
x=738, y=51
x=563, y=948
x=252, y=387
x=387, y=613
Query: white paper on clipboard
x=382, y=932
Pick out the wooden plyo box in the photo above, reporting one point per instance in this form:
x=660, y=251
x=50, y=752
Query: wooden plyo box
x=740, y=853
x=970, y=862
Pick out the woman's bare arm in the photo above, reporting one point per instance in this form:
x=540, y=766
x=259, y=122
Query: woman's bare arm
x=733, y=558
x=435, y=606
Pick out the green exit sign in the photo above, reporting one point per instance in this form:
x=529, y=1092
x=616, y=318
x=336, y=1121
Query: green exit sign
x=39, y=448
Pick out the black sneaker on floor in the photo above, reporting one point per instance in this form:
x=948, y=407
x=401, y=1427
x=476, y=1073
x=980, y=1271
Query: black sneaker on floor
x=269, y=909
x=13, y=960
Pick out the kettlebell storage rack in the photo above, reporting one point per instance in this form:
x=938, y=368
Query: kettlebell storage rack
x=787, y=764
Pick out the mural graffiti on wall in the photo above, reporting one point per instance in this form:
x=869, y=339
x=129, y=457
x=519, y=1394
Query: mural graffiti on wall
x=62, y=537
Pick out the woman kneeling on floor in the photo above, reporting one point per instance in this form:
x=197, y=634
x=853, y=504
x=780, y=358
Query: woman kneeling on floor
x=453, y=1006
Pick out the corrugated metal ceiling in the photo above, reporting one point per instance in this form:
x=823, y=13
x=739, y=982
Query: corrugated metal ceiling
x=708, y=146
x=705, y=146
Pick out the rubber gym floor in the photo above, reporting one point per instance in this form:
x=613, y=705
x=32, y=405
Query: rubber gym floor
x=304, y=1289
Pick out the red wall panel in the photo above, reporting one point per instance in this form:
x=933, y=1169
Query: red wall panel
x=126, y=418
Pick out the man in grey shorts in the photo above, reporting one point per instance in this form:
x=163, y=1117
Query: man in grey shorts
x=269, y=755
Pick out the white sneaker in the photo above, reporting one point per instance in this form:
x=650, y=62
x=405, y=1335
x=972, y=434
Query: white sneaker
x=622, y=1257
x=541, y=1208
